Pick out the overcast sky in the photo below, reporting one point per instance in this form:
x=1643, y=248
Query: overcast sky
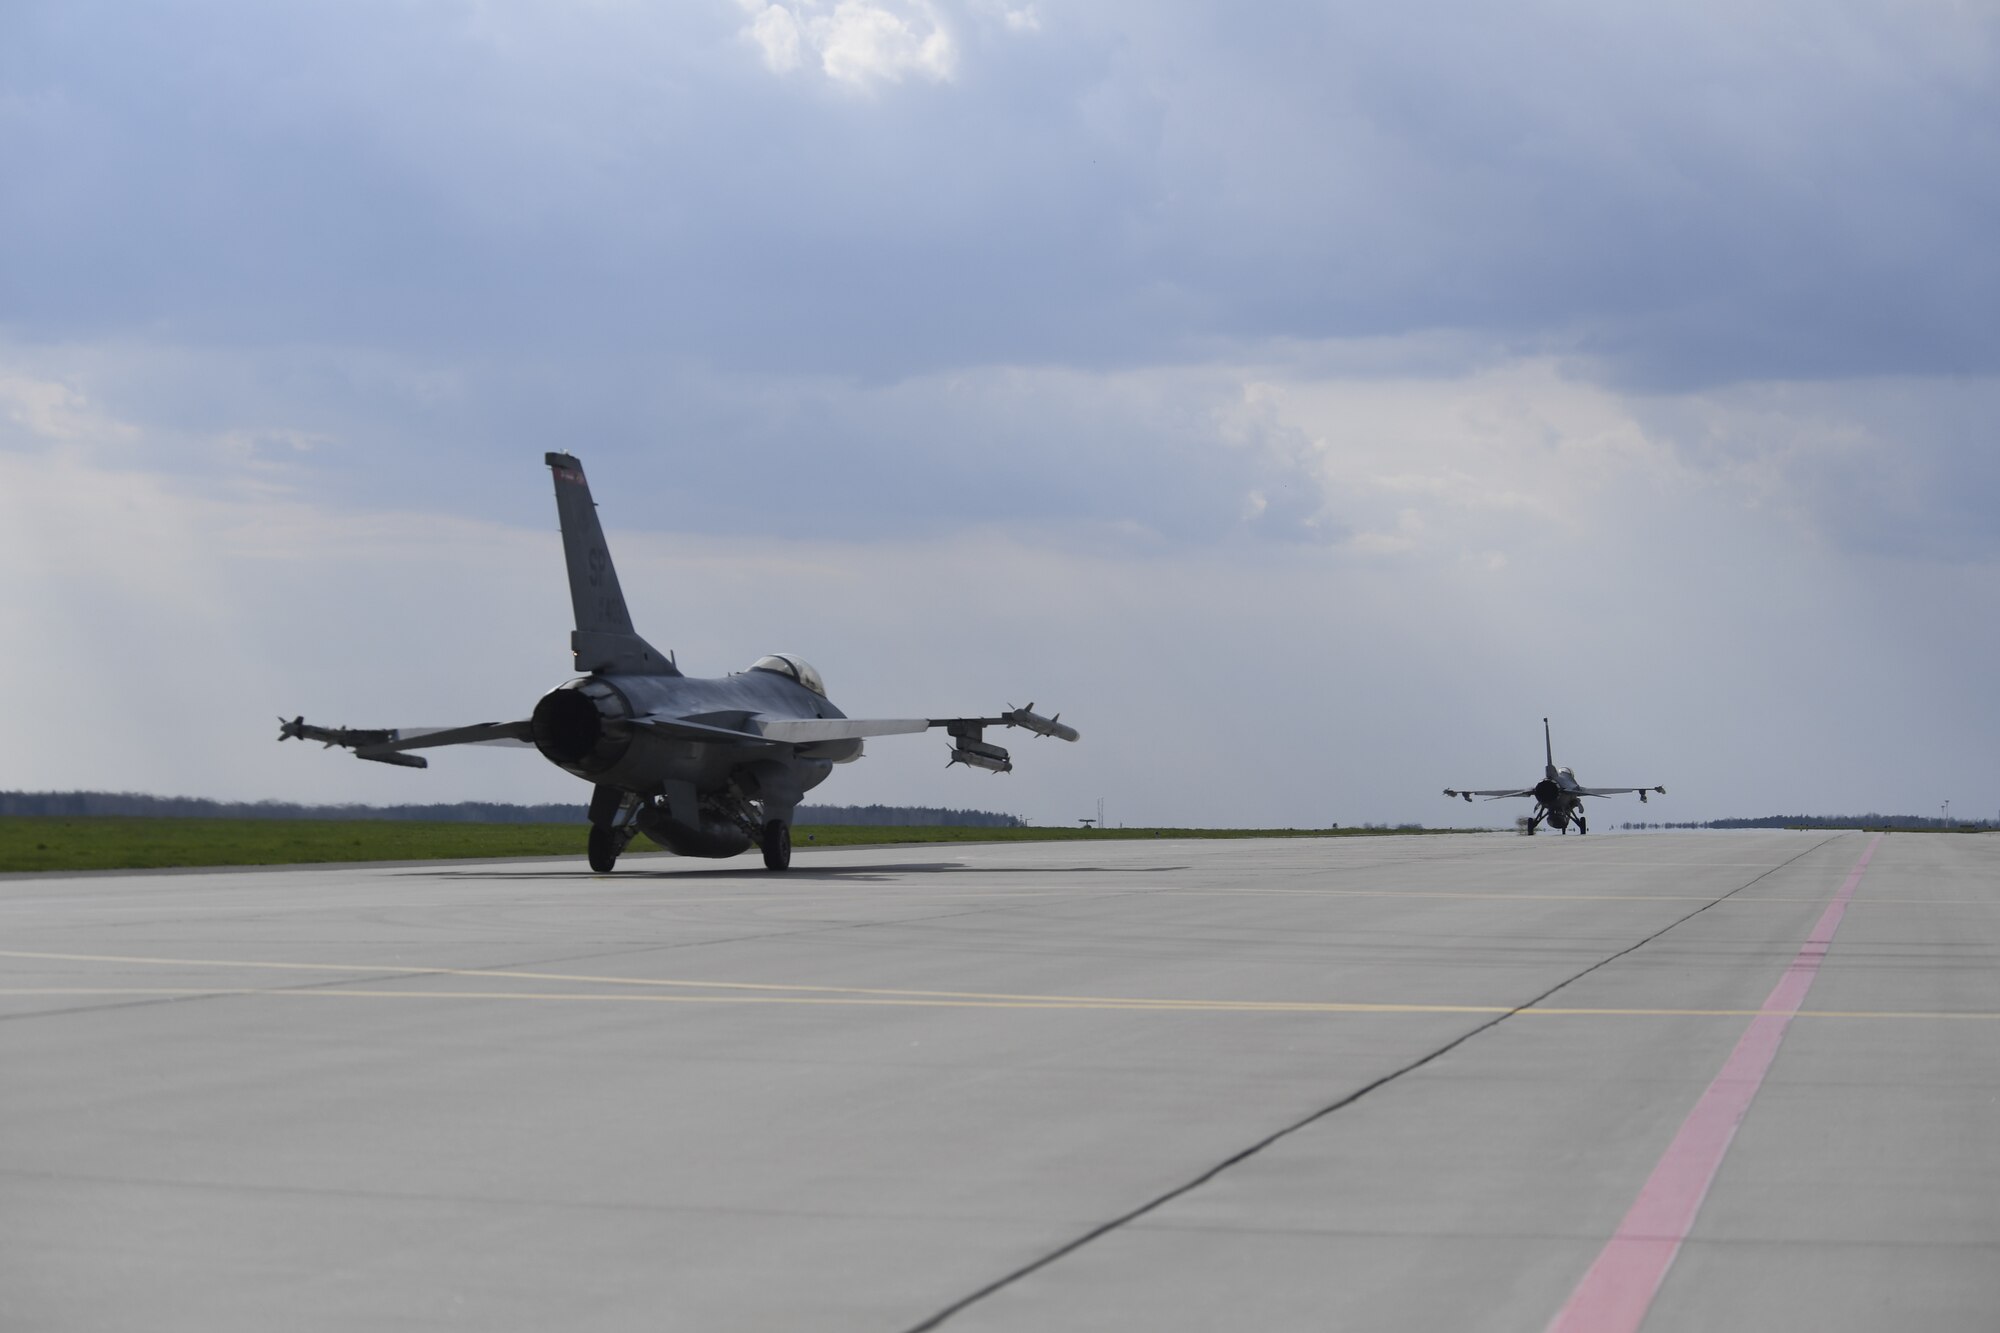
x=1304, y=399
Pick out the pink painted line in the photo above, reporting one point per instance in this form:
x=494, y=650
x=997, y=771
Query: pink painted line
x=1616, y=1293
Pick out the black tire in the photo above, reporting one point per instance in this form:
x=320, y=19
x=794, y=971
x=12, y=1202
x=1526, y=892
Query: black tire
x=604, y=848
x=777, y=845
x=1581, y=827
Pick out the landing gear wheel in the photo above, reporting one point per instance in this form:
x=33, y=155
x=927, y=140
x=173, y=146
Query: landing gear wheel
x=605, y=844
x=777, y=845
x=1581, y=827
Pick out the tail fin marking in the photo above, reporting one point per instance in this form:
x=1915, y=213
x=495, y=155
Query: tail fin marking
x=604, y=639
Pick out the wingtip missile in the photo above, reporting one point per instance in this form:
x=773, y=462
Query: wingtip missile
x=1041, y=726
x=354, y=738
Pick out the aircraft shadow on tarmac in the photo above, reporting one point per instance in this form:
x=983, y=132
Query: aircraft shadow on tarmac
x=835, y=874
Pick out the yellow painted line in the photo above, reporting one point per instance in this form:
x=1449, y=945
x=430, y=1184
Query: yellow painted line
x=1818, y=901
x=997, y=1002
x=1024, y=1002
x=873, y=992
x=777, y=993
x=1482, y=897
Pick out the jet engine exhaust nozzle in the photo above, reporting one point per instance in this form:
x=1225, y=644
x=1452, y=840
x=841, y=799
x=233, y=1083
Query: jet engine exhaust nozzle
x=580, y=726
x=1547, y=791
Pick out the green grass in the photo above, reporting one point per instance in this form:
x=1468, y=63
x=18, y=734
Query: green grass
x=129, y=843
x=113, y=842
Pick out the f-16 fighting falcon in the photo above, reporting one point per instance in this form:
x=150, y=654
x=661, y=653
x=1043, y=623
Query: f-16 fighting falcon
x=702, y=767
x=1558, y=798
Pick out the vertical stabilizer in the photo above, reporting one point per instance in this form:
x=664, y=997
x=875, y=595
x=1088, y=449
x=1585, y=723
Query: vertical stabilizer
x=1548, y=749
x=604, y=639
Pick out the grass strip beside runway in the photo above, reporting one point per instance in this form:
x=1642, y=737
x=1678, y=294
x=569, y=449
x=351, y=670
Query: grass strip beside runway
x=113, y=842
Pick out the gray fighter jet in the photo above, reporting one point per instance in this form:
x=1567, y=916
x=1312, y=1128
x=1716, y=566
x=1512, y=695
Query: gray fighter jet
x=1558, y=798
x=702, y=767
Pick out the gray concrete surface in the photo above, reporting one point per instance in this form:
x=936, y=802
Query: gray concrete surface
x=697, y=1096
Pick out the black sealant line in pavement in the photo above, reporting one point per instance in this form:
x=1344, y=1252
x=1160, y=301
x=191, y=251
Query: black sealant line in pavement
x=1104, y=1229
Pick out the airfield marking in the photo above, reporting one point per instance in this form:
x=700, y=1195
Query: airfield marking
x=1618, y=1291
x=802, y=994
x=770, y=992
x=1018, y=1002
x=1556, y=897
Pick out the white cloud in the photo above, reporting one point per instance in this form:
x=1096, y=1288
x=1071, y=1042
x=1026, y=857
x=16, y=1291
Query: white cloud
x=50, y=411
x=861, y=44
x=1505, y=544
x=775, y=30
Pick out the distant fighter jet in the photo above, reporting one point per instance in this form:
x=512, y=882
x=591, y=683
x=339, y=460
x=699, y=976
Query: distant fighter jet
x=702, y=767
x=1558, y=798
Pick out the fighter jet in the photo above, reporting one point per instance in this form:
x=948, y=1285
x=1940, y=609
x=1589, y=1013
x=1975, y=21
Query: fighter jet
x=1558, y=798
x=704, y=767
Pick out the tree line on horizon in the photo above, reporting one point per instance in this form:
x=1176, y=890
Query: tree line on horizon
x=84, y=804
x=1870, y=820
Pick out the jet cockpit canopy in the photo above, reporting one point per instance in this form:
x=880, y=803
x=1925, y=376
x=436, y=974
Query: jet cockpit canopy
x=797, y=668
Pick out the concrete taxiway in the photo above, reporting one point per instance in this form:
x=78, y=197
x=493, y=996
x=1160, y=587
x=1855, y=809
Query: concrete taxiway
x=1480, y=1082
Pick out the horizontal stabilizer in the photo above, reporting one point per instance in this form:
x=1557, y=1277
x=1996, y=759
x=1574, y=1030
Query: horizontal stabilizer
x=399, y=760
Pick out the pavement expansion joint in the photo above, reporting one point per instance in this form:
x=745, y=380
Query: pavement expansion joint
x=1160, y=1201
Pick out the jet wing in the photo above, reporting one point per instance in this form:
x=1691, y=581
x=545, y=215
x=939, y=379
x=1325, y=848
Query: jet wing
x=1490, y=793
x=967, y=733
x=480, y=733
x=386, y=745
x=1618, y=791
x=681, y=729
x=810, y=730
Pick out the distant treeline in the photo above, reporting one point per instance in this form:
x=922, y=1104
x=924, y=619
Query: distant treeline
x=906, y=816
x=71, y=804
x=1870, y=821
x=1850, y=821
x=75, y=803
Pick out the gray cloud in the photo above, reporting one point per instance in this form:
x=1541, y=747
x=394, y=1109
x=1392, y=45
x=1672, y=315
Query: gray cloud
x=1686, y=196
x=1389, y=376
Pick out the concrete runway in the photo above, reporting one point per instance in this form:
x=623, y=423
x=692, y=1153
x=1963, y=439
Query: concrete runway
x=1383, y=1083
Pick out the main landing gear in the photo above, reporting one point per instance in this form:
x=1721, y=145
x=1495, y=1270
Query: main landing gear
x=777, y=840
x=606, y=842
x=611, y=826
